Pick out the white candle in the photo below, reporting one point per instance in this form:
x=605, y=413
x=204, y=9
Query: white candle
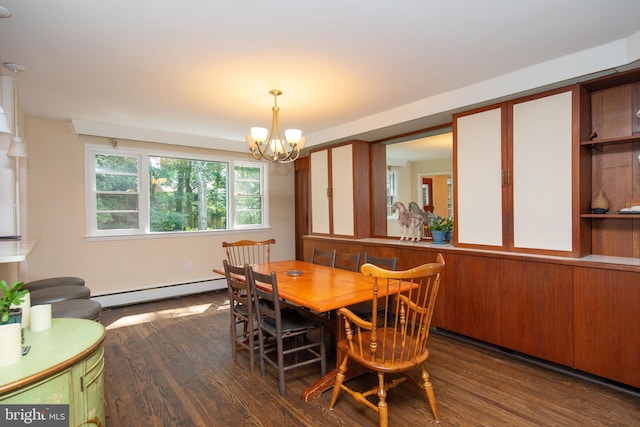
x=26, y=310
x=40, y=317
x=11, y=339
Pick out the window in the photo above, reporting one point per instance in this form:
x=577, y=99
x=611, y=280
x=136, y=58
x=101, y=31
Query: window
x=392, y=191
x=135, y=192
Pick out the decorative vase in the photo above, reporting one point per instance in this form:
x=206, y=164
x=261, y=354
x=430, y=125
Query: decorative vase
x=600, y=205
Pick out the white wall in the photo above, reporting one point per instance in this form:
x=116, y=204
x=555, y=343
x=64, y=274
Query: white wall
x=56, y=219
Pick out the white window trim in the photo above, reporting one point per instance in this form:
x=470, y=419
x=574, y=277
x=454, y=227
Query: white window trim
x=93, y=233
x=393, y=172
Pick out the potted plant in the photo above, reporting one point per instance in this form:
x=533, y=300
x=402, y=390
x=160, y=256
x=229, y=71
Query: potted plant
x=441, y=229
x=13, y=296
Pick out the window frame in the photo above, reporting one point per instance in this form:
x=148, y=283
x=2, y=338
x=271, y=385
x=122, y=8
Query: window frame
x=143, y=230
x=393, y=173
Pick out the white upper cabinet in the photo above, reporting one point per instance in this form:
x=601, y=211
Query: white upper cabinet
x=340, y=200
x=542, y=209
x=514, y=175
x=478, y=178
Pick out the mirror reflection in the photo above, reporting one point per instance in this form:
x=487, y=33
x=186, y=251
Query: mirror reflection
x=419, y=173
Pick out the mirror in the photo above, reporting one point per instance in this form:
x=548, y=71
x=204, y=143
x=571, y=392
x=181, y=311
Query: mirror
x=419, y=170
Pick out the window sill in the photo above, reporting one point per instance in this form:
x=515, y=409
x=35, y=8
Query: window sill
x=174, y=234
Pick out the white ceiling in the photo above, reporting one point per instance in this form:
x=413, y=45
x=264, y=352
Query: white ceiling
x=199, y=71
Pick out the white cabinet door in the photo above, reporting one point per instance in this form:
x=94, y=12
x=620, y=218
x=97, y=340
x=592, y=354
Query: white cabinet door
x=319, y=171
x=478, y=178
x=542, y=173
x=514, y=175
x=342, y=185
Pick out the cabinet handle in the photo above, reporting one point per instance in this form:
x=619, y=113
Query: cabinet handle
x=506, y=177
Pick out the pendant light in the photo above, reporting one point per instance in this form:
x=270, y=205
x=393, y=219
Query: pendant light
x=17, y=148
x=270, y=145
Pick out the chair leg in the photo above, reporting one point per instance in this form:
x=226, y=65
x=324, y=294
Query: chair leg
x=323, y=353
x=281, y=364
x=232, y=335
x=428, y=388
x=251, y=333
x=262, y=355
x=338, y=383
x=383, y=410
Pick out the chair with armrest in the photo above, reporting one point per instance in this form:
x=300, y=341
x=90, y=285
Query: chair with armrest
x=284, y=327
x=242, y=328
x=322, y=257
x=248, y=251
x=396, y=343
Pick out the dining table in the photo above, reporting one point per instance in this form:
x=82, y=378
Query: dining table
x=322, y=289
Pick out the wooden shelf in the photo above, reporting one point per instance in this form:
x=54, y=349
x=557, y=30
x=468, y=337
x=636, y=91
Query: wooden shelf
x=611, y=216
x=620, y=140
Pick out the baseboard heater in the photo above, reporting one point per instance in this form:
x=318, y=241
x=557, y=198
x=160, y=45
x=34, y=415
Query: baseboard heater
x=136, y=296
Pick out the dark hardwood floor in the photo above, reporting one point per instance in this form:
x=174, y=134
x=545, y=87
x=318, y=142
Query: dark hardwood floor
x=169, y=364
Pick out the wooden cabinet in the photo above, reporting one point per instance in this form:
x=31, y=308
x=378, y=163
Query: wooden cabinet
x=607, y=324
x=520, y=305
x=576, y=313
x=536, y=300
x=471, y=293
x=340, y=181
x=65, y=366
x=610, y=148
x=513, y=166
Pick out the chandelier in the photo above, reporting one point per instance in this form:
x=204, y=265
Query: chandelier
x=269, y=145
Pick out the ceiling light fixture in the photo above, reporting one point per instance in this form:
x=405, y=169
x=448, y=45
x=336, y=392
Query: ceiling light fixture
x=269, y=145
x=17, y=147
x=4, y=12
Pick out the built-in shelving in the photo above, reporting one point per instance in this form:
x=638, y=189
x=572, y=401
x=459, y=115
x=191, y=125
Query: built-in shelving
x=611, y=216
x=606, y=141
x=609, y=148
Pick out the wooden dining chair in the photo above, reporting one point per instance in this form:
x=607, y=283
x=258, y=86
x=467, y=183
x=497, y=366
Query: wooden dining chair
x=395, y=344
x=243, y=252
x=242, y=328
x=363, y=309
x=346, y=261
x=284, y=327
x=386, y=263
x=322, y=257
x=248, y=251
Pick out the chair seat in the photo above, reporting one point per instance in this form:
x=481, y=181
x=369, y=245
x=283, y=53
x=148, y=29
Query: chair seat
x=77, y=309
x=52, y=282
x=292, y=322
x=59, y=293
